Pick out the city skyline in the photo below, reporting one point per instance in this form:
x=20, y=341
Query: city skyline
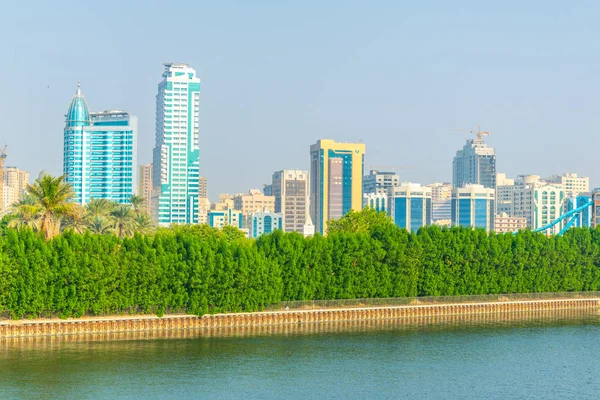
x=341, y=82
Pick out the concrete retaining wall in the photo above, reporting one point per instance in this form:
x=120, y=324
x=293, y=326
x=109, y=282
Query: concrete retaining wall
x=280, y=318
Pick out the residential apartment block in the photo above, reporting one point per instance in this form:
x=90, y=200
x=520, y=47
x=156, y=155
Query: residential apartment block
x=176, y=153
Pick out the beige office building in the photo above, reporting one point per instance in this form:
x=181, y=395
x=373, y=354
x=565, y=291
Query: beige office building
x=290, y=191
x=253, y=201
x=505, y=188
x=202, y=188
x=572, y=184
x=440, y=191
x=15, y=184
x=225, y=203
x=145, y=183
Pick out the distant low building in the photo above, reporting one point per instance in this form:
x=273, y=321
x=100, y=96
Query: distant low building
x=225, y=202
x=264, y=222
x=571, y=183
x=252, y=202
x=379, y=181
x=203, y=210
x=595, y=208
x=377, y=201
x=219, y=219
x=505, y=188
x=583, y=218
x=505, y=223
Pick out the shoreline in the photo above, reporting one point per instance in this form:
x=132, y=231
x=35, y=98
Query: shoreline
x=406, y=313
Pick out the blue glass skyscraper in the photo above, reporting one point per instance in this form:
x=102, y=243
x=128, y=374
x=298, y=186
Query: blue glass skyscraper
x=99, y=159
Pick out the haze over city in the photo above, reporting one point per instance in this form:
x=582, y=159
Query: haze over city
x=277, y=77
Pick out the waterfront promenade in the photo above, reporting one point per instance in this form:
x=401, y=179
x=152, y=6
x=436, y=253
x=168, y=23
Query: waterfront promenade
x=137, y=323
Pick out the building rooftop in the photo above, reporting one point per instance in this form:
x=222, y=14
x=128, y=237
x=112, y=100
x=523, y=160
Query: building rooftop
x=78, y=113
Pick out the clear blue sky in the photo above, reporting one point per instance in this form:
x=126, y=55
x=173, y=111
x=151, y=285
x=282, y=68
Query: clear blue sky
x=277, y=76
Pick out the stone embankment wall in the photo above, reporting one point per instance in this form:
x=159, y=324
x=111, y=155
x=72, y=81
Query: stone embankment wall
x=30, y=328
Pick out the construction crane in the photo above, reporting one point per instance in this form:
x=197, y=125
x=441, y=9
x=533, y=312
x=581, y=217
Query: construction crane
x=480, y=134
x=3, y=154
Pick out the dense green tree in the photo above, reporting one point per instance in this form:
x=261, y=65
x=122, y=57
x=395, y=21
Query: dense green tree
x=199, y=269
x=359, y=221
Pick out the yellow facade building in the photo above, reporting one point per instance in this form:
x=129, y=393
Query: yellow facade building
x=336, y=180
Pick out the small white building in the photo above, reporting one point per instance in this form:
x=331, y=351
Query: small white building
x=376, y=201
x=264, y=222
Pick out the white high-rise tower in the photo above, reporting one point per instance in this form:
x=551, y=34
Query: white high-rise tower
x=176, y=153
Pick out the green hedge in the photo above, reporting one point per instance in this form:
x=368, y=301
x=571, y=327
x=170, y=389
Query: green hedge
x=200, y=270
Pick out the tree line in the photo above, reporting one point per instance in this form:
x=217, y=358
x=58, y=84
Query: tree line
x=47, y=206
x=198, y=269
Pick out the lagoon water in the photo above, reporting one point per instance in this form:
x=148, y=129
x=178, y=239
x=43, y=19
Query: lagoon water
x=526, y=357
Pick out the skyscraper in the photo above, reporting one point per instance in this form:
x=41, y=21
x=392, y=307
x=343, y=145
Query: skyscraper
x=177, y=153
x=474, y=164
x=100, y=151
x=336, y=176
x=290, y=189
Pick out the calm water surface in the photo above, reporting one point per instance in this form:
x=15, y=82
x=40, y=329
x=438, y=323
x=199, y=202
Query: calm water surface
x=554, y=357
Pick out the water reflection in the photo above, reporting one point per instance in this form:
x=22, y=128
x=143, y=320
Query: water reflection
x=445, y=323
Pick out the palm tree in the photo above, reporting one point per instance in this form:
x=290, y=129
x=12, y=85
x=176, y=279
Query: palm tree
x=100, y=225
x=98, y=208
x=139, y=204
x=26, y=213
x=123, y=222
x=52, y=196
x=143, y=223
x=76, y=221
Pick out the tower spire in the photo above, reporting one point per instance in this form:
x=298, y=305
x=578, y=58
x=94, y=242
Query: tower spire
x=78, y=88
